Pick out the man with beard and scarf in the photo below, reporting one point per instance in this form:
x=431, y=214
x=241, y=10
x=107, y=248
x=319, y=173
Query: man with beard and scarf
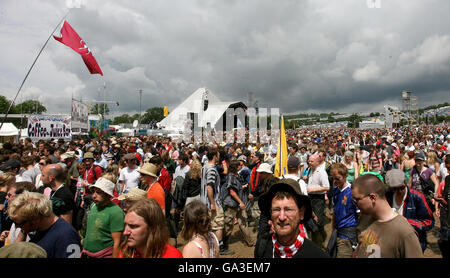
x=266, y=180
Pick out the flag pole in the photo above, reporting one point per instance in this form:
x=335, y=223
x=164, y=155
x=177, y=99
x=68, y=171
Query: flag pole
x=26, y=76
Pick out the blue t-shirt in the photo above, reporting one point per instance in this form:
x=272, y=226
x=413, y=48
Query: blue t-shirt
x=61, y=240
x=344, y=209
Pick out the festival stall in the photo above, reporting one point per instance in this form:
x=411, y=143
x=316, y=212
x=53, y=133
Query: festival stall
x=9, y=133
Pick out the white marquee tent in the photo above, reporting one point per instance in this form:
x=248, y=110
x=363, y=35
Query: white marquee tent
x=9, y=129
x=9, y=132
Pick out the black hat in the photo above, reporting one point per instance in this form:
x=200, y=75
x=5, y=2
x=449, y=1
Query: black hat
x=10, y=164
x=293, y=162
x=419, y=156
x=289, y=185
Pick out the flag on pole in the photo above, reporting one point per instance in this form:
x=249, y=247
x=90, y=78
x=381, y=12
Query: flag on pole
x=70, y=38
x=166, y=111
x=282, y=155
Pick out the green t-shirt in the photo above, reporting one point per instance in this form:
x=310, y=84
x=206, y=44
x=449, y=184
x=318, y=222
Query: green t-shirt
x=101, y=223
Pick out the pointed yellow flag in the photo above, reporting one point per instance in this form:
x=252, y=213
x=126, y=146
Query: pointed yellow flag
x=282, y=154
x=166, y=111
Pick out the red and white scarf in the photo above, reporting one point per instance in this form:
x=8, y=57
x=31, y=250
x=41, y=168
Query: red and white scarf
x=289, y=251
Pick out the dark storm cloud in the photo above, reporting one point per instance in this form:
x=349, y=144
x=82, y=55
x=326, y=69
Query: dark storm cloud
x=300, y=56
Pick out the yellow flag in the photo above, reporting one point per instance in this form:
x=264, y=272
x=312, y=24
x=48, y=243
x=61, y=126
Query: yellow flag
x=282, y=155
x=166, y=111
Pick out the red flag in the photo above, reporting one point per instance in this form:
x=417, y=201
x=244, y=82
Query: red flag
x=70, y=38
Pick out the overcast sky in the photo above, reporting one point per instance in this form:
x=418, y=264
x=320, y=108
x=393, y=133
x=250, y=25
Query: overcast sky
x=299, y=56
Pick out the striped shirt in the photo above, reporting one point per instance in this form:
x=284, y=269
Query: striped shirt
x=375, y=160
x=210, y=176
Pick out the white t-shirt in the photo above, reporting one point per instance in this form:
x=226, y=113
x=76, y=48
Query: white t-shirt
x=301, y=182
x=318, y=178
x=181, y=171
x=442, y=173
x=130, y=177
x=398, y=208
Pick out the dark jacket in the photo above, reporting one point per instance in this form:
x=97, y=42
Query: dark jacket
x=445, y=216
x=191, y=186
x=308, y=250
x=415, y=210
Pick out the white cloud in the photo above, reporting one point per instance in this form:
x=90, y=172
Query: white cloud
x=367, y=73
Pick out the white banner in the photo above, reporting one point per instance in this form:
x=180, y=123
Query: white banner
x=47, y=127
x=80, y=113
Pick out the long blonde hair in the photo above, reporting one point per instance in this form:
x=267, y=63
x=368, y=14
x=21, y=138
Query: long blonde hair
x=195, y=169
x=432, y=158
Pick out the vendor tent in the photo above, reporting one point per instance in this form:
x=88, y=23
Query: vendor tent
x=8, y=133
x=9, y=129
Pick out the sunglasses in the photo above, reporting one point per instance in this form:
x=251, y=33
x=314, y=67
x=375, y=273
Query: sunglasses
x=356, y=200
x=42, y=163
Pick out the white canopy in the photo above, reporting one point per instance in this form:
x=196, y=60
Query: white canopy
x=9, y=129
x=126, y=132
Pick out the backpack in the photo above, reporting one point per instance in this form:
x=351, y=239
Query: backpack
x=226, y=198
x=427, y=190
x=179, y=194
x=95, y=174
x=427, y=185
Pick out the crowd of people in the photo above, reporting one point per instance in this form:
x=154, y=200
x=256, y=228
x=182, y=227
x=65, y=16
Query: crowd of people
x=125, y=197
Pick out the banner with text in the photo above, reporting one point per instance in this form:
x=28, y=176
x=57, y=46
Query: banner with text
x=80, y=114
x=48, y=127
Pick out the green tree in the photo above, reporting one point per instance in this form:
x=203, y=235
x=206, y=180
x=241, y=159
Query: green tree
x=122, y=119
x=4, y=104
x=100, y=108
x=354, y=120
x=155, y=114
x=29, y=107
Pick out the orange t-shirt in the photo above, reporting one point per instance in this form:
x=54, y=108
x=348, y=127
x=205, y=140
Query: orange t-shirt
x=156, y=192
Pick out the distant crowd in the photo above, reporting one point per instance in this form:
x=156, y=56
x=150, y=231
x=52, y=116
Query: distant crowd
x=125, y=197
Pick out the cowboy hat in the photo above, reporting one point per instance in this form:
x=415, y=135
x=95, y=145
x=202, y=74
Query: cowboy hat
x=291, y=186
x=134, y=193
x=149, y=169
